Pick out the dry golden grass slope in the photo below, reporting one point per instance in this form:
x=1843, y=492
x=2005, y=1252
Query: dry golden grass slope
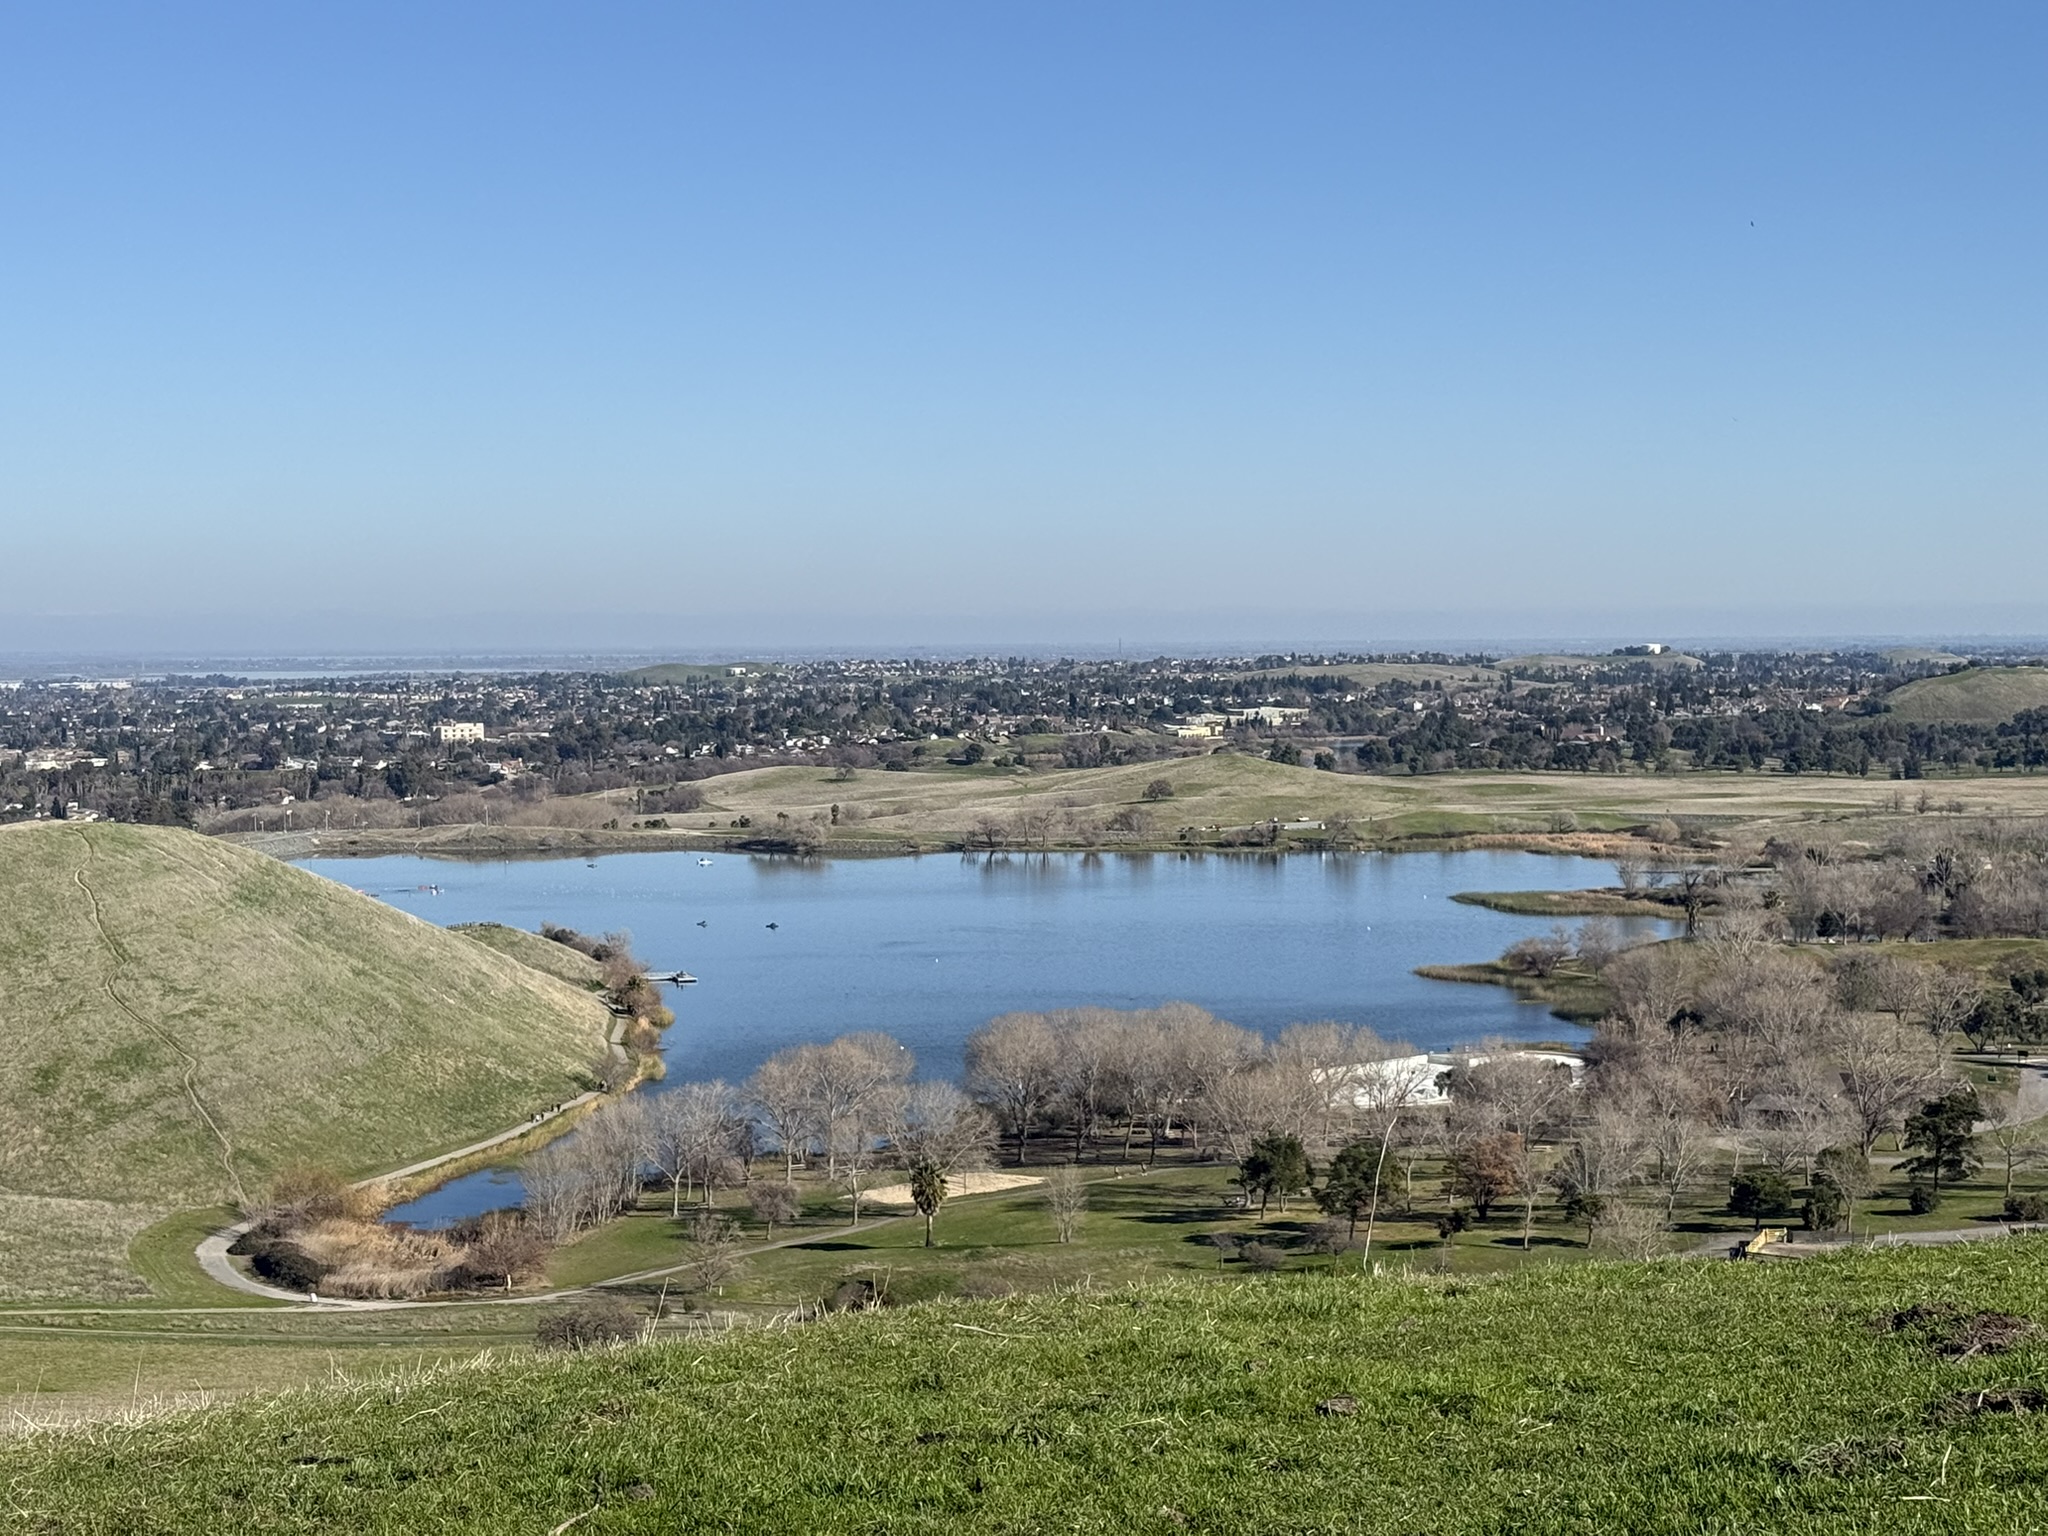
x=530, y=949
x=1975, y=696
x=1229, y=789
x=180, y=1017
x=940, y=807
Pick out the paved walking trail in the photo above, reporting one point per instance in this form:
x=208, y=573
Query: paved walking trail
x=213, y=1252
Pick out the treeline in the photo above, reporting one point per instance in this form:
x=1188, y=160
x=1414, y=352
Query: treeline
x=1786, y=740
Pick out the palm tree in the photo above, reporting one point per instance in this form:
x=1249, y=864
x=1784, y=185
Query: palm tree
x=927, y=1192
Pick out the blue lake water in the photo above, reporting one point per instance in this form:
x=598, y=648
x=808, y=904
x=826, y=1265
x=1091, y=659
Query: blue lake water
x=928, y=948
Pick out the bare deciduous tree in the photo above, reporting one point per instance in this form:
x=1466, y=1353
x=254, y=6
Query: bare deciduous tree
x=1948, y=999
x=782, y=1093
x=1094, y=1045
x=856, y=1083
x=1517, y=1099
x=1014, y=1070
x=588, y=1177
x=773, y=1205
x=936, y=1123
x=1066, y=1197
x=1651, y=987
x=1631, y=1229
x=2009, y=1128
x=695, y=1134
x=1886, y=1070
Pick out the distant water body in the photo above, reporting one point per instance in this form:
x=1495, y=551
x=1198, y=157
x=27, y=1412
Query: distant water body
x=929, y=948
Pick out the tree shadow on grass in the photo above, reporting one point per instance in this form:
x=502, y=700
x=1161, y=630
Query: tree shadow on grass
x=1177, y=1218
x=828, y=1246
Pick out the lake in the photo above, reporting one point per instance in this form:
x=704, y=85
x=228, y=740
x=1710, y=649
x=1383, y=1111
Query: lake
x=928, y=948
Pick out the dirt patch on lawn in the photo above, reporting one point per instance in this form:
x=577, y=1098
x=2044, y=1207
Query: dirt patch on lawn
x=956, y=1184
x=1991, y=1400
x=1955, y=1334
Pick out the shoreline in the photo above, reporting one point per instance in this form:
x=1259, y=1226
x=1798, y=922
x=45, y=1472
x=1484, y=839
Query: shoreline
x=459, y=844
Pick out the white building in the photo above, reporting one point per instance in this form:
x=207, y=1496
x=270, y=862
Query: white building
x=1418, y=1080
x=449, y=732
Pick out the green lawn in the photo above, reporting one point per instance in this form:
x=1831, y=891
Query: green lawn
x=1673, y=1398
x=95, y=1363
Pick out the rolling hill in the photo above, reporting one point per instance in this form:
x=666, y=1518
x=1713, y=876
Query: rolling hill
x=1974, y=696
x=181, y=1017
x=530, y=949
x=1870, y=1392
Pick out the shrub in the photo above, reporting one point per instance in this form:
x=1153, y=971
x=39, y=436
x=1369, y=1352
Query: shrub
x=1264, y=1257
x=303, y=1194
x=1922, y=1197
x=1159, y=789
x=2027, y=1208
x=1331, y=1237
x=1539, y=957
x=1453, y=1221
x=853, y=1295
x=773, y=1205
x=1827, y=1206
x=580, y=942
x=589, y=1324
x=283, y=1264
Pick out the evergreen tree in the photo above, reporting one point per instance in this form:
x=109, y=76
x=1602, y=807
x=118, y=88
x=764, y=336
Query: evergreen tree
x=1274, y=1165
x=1945, y=1131
x=1351, y=1184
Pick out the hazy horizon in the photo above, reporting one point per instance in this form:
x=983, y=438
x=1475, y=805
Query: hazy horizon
x=362, y=661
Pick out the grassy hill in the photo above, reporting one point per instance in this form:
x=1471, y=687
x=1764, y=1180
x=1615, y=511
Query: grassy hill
x=530, y=949
x=1676, y=1397
x=1976, y=696
x=182, y=1017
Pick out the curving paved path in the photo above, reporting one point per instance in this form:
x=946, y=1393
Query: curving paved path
x=213, y=1257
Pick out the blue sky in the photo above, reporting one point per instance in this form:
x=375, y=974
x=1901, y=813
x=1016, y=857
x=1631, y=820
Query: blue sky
x=492, y=325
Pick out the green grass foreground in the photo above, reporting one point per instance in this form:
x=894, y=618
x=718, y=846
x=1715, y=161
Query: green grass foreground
x=1675, y=1397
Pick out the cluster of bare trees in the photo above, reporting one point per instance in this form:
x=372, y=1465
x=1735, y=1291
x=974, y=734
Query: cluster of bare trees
x=1970, y=879
x=1730, y=1051
x=1043, y=827
x=1156, y=1071
x=850, y=1103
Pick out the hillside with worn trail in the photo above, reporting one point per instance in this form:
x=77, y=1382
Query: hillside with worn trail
x=181, y=1018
